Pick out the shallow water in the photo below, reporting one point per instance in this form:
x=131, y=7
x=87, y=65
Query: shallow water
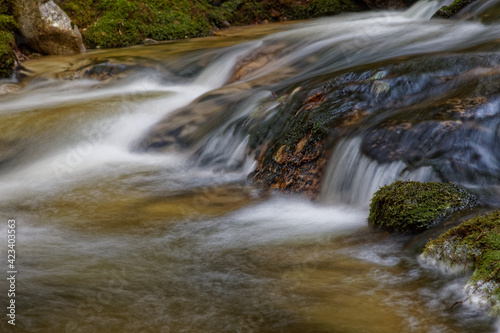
x=112, y=238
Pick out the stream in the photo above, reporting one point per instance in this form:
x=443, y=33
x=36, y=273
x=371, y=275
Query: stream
x=126, y=171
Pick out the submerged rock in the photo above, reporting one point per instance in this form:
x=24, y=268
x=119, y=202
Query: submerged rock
x=474, y=244
x=453, y=9
x=415, y=206
x=47, y=29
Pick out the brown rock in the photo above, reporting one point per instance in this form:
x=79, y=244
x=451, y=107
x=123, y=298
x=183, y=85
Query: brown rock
x=46, y=27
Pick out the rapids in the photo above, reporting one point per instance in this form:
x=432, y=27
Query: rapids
x=126, y=172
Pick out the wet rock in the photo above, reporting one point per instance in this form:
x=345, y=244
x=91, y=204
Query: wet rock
x=473, y=245
x=9, y=88
x=257, y=59
x=189, y=125
x=103, y=71
x=437, y=112
x=293, y=147
x=150, y=41
x=414, y=206
x=47, y=29
x=453, y=9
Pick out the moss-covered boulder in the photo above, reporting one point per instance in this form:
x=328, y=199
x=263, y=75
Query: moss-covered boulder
x=474, y=244
x=453, y=9
x=414, y=206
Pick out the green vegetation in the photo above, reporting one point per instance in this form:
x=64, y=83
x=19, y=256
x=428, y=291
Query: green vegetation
x=453, y=9
x=477, y=242
x=117, y=23
x=114, y=23
x=414, y=206
x=6, y=7
x=7, y=56
x=7, y=25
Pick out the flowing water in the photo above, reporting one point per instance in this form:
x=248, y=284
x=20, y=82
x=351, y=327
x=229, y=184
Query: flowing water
x=117, y=236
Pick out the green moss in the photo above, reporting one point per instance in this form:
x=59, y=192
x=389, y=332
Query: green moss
x=476, y=241
x=7, y=56
x=414, y=206
x=113, y=23
x=453, y=9
x=6, y=7
x=128, y=22
x=7, y=23
x=318, y=8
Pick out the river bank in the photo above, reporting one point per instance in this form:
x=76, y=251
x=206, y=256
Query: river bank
x=129, y=22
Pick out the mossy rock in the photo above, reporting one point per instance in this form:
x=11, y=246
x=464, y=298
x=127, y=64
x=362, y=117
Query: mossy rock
x=453, y=9
x=474, y=244
x=410, y=206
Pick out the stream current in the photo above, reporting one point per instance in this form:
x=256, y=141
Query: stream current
x=112, y=238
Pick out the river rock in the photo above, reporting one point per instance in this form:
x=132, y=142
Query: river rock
x=47, y=29
x=453, y=9
x=473, y=245
x=414, y=206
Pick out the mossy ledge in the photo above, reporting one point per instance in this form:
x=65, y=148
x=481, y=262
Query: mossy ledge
x=453, y=9
x=474, y=244
x=410, y=206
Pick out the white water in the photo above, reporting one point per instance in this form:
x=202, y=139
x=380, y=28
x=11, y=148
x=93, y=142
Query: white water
x=353, y=178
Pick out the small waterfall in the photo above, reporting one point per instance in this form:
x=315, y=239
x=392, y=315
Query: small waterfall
x=226, y=146
x=352, y=178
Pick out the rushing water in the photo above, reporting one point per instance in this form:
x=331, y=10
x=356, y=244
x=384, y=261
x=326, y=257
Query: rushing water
x=113, y=236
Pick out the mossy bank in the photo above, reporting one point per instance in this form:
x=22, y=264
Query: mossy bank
x=414, y=206
x=7, y=27
x=115, y=23
x=118, y=23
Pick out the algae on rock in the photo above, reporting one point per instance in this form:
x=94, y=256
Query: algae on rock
x=414, y=206
x=453, y=9
x=474, y=244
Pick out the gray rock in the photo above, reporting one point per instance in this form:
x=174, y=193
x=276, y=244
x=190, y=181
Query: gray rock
x=47, y=29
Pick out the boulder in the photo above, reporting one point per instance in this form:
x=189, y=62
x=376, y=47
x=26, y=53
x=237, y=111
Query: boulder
x=473, y=245
x=414, y=206
x=46, y=28
x=453, y=9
